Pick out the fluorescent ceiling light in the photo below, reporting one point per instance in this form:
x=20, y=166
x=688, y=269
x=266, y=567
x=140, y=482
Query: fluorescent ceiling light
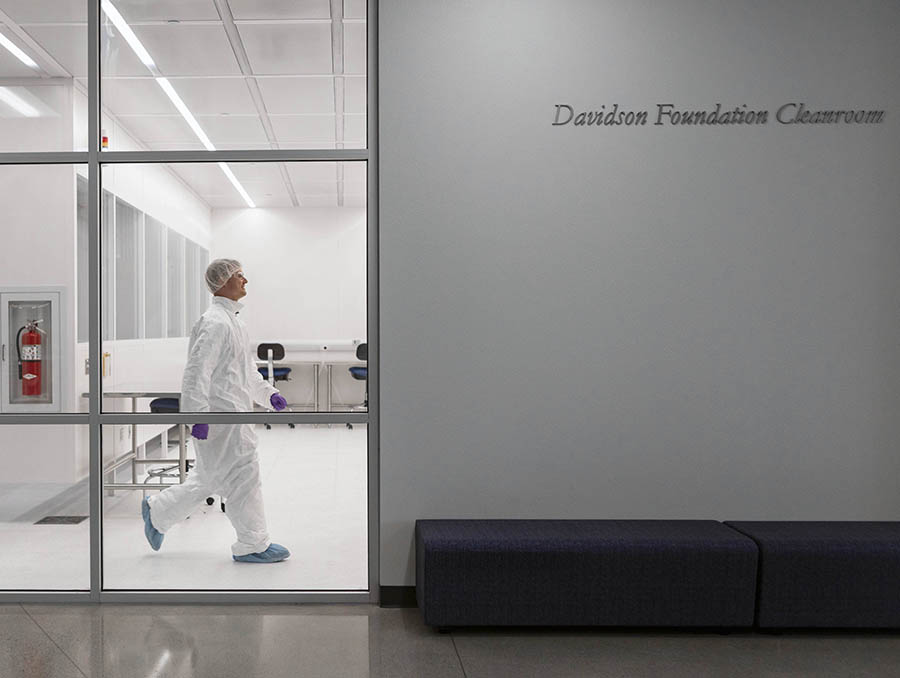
x=166, y=87
x=127, y=33
x=19, y=104
x=18, y=53
x=237, y=184
x=185, y=112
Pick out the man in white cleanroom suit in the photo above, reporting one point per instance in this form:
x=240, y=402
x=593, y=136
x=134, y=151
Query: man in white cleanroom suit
x=221, y=376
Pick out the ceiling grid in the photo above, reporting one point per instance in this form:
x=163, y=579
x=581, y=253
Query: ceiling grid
x=247, y=74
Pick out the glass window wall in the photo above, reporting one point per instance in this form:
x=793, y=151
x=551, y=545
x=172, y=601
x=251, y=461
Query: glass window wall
x=302, y=248
x=44, y=508
x=184, y=76
x=313, y=501
x=43, y=290
x=235, y=75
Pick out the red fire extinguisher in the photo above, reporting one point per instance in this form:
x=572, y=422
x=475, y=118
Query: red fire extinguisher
x=30, y=358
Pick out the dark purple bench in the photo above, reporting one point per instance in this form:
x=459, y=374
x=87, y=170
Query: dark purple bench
x=827, y=574
x=584, y=573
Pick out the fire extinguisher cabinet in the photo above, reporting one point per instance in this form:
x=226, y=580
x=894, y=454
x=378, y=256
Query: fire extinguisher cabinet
x=32, y=333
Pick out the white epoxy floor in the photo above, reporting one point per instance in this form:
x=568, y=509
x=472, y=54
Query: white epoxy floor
x=315, y=486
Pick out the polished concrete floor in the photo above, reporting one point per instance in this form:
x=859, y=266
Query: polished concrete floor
x=349, y=641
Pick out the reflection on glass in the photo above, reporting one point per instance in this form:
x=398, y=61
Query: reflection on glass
x=41, y=55
x=43, y=282
x=44, y=526
x=314, y=496
x=184, y=76
x=302, y=250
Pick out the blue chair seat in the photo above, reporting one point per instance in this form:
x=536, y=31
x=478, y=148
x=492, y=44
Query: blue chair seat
x=359, y=372
x=280, y=372
x=164, y=405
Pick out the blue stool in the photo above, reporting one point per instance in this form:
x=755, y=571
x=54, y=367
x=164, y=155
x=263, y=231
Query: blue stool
x=361, y=373
x=165, y=406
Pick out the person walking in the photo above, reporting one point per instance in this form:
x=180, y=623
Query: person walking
x=221, y=376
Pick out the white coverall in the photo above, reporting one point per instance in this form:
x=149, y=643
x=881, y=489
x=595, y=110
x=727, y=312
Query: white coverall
x=221, y=376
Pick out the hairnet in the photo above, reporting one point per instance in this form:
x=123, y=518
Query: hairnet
x=219, y=271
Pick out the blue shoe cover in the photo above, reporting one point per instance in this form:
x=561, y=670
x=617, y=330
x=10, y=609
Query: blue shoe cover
x=154, y=536
x=274, y=554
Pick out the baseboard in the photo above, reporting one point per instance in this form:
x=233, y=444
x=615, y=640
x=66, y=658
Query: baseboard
x=398, y=596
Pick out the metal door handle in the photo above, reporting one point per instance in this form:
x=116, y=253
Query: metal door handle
x=3, y=354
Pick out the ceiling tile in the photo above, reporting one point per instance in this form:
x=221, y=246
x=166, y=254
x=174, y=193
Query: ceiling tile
x=303, y=128
x=230, y=130
x=117, y=58
x=355, y=130
x=205, y=179
x=66, y=44
x=287, y=49
x=355, y=57
x=318, y=200
x=280, y=9
x=355, y=177
x=189, y=49
x=135, y=97
x=355, y=9
x=159, y=129
x=355, y=200
x=262, y=181
x=297, y=95
x=215, y=95
x=166, y=10
x=355, y=96
x=45, y=11
x=317, y=188
x=322, y=172
x=259, y=172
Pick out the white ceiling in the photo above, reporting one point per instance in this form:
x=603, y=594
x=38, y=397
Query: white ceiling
x=300, y=61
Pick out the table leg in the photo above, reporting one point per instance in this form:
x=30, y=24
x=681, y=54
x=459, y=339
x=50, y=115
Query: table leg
x=134, y=443
x=316, y=368
x=328, y=369
x=182, y=454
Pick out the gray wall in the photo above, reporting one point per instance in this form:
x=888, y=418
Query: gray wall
x=665, y=322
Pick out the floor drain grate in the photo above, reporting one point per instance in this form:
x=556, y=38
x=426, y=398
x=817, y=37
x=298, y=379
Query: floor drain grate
x=61, y=520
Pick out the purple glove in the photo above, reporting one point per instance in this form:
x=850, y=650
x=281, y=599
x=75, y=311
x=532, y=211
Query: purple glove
x=200, y=431
x=278, y=402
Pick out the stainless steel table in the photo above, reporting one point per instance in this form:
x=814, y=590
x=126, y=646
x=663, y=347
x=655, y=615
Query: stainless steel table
x=133, y=456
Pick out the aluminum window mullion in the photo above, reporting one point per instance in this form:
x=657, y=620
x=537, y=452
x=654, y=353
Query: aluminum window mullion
x=143, y=418
x=95, y=474
x=261, y=155
x=373, y=331
x=45, y=158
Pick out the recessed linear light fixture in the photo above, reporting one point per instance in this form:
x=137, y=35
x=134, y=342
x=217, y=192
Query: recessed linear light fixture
x=18, y=53
x=166, y=87
x=14, y=101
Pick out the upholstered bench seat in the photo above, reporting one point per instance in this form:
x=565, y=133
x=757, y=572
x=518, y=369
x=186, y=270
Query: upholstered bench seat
x=584, y=572
x=827, y=574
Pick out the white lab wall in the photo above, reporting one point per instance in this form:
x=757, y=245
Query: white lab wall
x=37, y=249
x=648, y=322
x=306, y=268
